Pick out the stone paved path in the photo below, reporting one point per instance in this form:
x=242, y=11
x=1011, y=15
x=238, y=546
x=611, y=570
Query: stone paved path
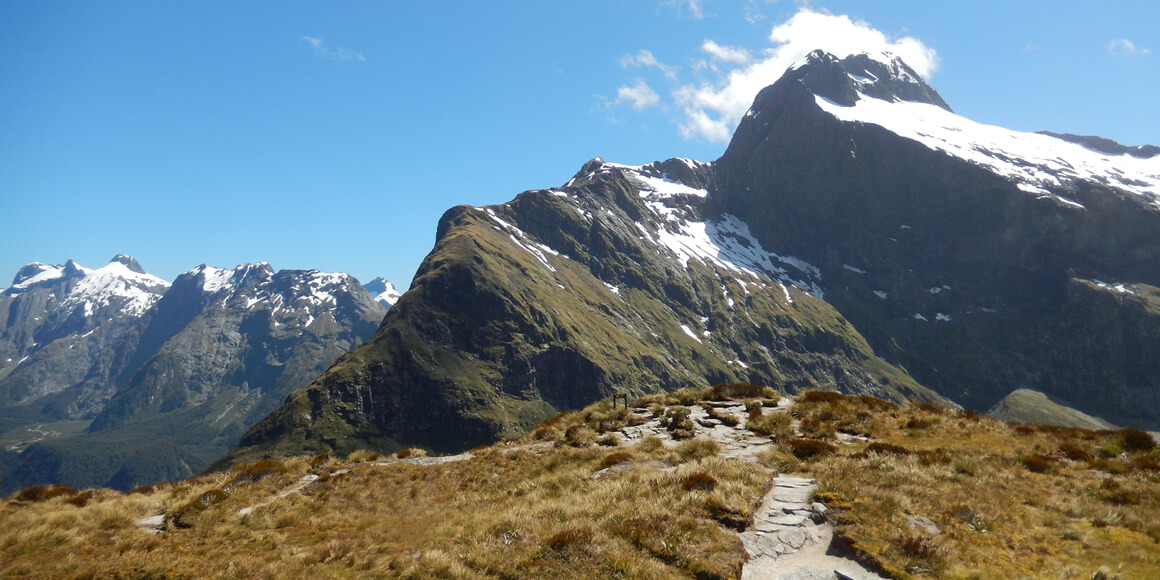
x=790, y=538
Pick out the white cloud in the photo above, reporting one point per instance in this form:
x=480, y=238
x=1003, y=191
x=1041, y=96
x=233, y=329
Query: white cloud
x=1125, y=47
x=726, y=54
x=713, y=107
x=646, y=58
x=640, y=95
x=321, y=49
x=693, y=6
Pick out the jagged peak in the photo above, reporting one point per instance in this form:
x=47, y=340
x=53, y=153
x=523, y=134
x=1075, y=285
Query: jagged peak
x=213, y=279
x=129, y=261
x=383, y=291
x=690, y=173
x=72, y=268
x=844, y=81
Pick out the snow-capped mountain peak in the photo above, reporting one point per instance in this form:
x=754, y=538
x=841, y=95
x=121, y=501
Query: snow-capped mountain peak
x=857, y=77
x=121, y=281
x=214, y=280
x=383, y=291
x=892, y=96
x=36, y=273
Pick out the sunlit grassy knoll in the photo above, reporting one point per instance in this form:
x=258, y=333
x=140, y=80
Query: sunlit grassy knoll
x=1009, y=500
x=570, y=499
x=516, y=511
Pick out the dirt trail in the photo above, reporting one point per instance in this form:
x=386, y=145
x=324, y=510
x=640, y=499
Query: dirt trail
x=156, y=522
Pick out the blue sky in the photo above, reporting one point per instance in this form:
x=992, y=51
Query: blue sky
x=334, y=135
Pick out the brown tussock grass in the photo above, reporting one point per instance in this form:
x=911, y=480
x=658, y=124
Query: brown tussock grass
x=1011, y=501
x=508, y=513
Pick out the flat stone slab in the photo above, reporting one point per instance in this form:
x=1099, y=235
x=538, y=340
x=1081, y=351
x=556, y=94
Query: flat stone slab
x=794, y=538
x=793, y=481
x=786, y=520
x=799, y=499
x=809, y=574
x=788, y=507
x=758, y=545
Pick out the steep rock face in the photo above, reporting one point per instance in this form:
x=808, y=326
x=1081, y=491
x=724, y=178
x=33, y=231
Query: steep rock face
x=65, y=332
x=619, y=281
x=180, y=380
x=961, y=251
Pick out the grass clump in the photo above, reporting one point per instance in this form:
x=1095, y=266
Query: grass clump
x=698, y=448
x=616, y=458
x=690, y=396
x=810, y=448
x=699, y=481
x=725, y=417
x=676, y=420
x=410, y=452
x=1036, y=463
x=257, y=471
x=39, y=493
x=186, y=515
x=1135, y=440
x=777, y=426
x=739, y=391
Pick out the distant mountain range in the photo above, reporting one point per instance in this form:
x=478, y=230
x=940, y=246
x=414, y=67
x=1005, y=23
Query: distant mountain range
x=114, y=377
x=856, y=235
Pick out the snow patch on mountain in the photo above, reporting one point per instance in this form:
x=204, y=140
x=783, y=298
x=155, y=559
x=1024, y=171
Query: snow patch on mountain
x=116, y=282
x=522, y=240
x=384, y=292
x=1033, y=161
x=212, y=279
x=35, y=273
x=726, y=243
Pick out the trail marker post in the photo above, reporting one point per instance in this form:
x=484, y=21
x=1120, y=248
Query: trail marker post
x=616, y=396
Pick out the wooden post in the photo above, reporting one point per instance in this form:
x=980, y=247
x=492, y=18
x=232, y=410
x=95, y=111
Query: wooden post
x=619, y=396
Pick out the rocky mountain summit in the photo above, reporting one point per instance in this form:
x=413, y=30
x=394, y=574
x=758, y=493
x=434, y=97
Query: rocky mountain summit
x=115, y=377
x=856, y=235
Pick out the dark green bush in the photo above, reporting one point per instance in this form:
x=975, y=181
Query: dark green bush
x=615, y=458
x=813, y=396
x=1036, y=463
x=810, y=448
x=1074, y=452
x=734, y=391
x=258, y=471
x=882, y=448
x=1136, y=440
x=700, y=481
x=38, y=493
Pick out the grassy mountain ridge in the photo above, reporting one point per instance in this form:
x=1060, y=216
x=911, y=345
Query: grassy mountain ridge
x=501, y=330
